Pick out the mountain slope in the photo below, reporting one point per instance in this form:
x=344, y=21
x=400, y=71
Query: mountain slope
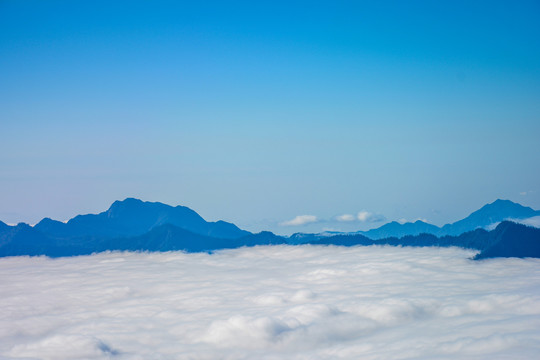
x=168, y=237
x=513, y=240
x=22, y=239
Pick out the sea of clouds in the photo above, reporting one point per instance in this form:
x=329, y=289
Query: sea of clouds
x=276, y=302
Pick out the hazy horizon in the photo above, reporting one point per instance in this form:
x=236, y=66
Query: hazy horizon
x=347, y=223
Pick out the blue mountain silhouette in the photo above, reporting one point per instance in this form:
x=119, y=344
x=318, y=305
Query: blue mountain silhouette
x=133, y=217
x=395, y=229
x=146, y=226
x=489, y=214
x=508, y=239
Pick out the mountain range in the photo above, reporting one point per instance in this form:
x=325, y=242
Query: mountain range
x=488, y=215
x=136, y=225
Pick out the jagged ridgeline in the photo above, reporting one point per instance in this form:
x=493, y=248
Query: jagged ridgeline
x=136, y=225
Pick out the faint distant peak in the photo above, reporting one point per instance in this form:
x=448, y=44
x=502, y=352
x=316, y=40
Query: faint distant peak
x=502, y=204
x=126, y=203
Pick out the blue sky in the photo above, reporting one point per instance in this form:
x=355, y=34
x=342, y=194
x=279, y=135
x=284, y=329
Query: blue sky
x=258, y=112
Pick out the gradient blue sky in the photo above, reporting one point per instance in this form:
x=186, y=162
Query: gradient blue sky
x=256, y=112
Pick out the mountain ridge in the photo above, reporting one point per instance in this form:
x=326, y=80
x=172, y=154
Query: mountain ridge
x=135, y=225
x=132, y=217
x=487, y=215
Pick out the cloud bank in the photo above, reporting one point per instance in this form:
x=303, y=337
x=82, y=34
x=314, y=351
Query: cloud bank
x=277, y=302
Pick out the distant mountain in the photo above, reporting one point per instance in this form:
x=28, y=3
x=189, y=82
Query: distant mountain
x=133, y=217
x=513, y=240
x=168, y=238
x=508, y=239
x=26, y=240
x=3, y=226
x=489, y=214
x=262, y=238
x=171, y=238
x=135, y=225
x=22, y=239
x=304, y=238
x=395, y=229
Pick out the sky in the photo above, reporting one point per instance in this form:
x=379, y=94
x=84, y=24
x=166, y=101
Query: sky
x=280, y=116
x=271, y=302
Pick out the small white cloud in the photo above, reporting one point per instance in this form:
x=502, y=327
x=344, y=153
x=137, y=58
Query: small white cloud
x=345, y=218
x=523, y=193
x=300, y=220
x=366, y=216
x=363, y=216
x=402, y=221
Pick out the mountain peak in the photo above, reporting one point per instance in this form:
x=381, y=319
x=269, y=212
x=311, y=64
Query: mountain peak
x=127, y=202
x=501, y=206
x=503, y=202
x=134, y=217
x=492, y=213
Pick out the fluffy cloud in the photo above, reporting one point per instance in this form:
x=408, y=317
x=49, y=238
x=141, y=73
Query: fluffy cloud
x=362, y=216
x=300, y=220
x=277, y=302
x=345, y=218
x=366, y=216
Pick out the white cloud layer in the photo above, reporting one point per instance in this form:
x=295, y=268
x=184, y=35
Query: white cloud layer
x=277, y=302
x=300, y=220
x=345, y=218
